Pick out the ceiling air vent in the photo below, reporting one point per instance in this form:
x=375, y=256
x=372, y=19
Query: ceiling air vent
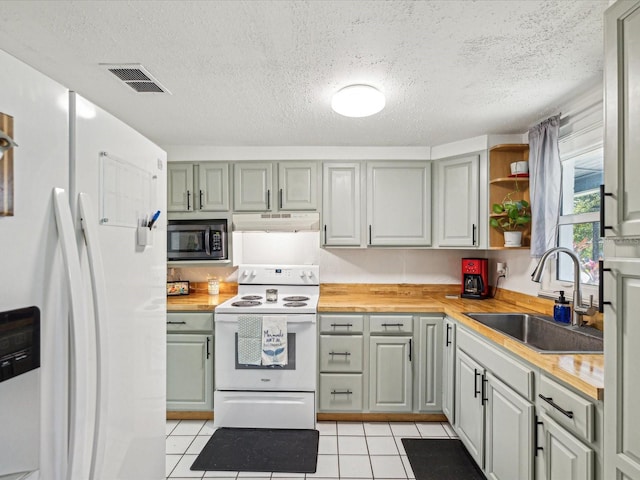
x=137, y=77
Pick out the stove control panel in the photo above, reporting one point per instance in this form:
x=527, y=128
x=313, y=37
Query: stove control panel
x=279, y=274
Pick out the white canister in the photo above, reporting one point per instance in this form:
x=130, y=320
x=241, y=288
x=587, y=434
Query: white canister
x=213, y=286
x=519, y=168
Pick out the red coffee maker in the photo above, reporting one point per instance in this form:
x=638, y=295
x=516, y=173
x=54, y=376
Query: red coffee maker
x=475, y=278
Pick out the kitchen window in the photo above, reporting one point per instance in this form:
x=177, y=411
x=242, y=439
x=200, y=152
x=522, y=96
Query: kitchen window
x=581, y=154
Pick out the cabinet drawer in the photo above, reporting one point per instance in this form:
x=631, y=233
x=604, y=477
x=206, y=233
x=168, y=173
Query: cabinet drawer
x=578, y=416
x=341, y=392
x=189, y=322
x=391, y=323
x=341, y=353
x=341, y=323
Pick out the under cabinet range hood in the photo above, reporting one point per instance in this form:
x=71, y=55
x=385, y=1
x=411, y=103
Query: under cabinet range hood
x=276, y=222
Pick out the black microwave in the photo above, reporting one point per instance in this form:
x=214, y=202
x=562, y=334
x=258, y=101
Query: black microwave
x=197, y=240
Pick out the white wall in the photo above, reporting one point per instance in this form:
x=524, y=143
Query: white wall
x=372, y=265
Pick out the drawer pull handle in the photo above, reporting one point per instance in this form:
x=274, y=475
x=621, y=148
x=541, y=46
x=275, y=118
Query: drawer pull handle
x=176, y=323
x=346, y=354
x=346, y=325
x=476, y=374
x=393, y=325
x=550, y=401
x=341, y=392
x=448, y=340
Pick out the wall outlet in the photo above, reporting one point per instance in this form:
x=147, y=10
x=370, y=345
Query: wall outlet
x=501, y=268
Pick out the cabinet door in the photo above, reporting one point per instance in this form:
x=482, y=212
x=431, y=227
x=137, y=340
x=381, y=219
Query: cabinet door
x=252, y=186
x=399, y=203
x=622, y=383
x=390, y=386
x=298, y=186
x=341, y=204
x=563, y=456
x=458, y=185
x=430, y=366
x=180, y=195
x=189, y=372
x=213, y=187
x=509, y=422
x=622, y=142
x=448, y=369
x=469, y=409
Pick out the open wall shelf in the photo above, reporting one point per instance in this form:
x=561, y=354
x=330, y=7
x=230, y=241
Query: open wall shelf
x=501, y=184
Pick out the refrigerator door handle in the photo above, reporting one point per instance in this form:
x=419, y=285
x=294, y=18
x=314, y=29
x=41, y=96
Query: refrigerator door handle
x=88, y=222
x=80, y=415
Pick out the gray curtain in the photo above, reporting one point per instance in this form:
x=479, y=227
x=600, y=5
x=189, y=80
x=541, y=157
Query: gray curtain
x=545, y=184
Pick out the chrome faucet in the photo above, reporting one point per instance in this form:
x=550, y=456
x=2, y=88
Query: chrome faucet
x=578, y=309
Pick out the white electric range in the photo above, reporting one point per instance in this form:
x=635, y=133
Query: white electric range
x=255, y=394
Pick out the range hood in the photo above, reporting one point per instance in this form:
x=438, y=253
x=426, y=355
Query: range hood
x=276, y=222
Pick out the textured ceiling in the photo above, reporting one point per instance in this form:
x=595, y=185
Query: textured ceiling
x=253, y=73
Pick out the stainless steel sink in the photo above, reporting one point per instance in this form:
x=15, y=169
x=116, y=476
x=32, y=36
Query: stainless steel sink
x=542, y=333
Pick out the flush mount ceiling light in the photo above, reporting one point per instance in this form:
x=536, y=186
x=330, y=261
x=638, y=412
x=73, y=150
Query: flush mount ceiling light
x=358, y=101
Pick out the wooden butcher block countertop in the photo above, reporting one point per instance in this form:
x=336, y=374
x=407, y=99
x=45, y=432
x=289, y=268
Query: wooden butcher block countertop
x=583, y=372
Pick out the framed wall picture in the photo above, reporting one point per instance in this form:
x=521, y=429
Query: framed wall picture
x=6, y=165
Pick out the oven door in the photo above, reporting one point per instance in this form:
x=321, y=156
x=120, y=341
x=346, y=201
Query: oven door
x=299, y=374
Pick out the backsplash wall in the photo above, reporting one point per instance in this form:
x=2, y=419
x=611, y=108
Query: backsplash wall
x=338, y=265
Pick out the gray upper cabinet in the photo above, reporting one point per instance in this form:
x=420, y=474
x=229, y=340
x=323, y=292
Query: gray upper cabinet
x=256, y=191
x=198, y=187
x=458, y=201
x=341, y=210
x=253, y=186
x=213, y=187
x=622, y=142
x=180, y=187
x=399, y=203
x=298, y=186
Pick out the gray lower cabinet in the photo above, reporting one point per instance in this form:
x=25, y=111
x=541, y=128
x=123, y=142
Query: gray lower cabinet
x=568, y=436
x=448, y=368
x=430, y=363
x=562, y=455
x=508, y=432
x=189, y=361
x=493, y=419
x=390, y=373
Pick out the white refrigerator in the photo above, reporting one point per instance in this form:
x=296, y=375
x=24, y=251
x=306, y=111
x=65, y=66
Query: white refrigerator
x=83, y=185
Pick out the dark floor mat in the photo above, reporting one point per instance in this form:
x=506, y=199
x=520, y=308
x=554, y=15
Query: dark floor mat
x=260, y=450
x=440, y=459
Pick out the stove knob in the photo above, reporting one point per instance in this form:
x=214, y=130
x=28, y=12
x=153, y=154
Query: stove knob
x=254, y=273
x=310, y=274
x=244, y=274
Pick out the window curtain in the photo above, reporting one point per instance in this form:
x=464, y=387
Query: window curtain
x=545, y=184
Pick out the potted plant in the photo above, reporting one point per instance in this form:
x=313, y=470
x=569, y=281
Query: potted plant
x=511, y=217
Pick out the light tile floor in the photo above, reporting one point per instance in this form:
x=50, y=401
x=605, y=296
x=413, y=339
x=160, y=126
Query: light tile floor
x=349, y=450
